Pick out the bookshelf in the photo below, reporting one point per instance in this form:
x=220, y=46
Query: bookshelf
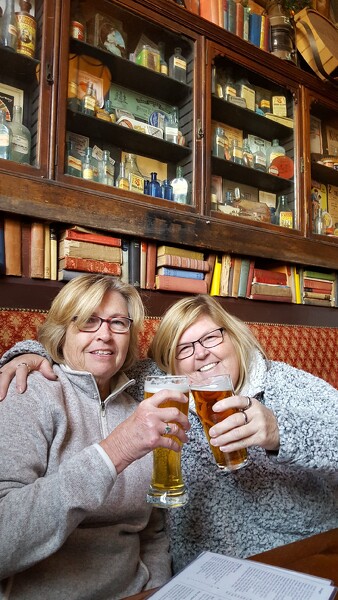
x=42, y=190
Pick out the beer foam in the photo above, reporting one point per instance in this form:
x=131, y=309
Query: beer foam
x=153, y=388
x=218, y=384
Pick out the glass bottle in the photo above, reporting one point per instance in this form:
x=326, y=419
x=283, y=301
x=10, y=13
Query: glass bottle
x=263, y=101
x=77, y=22
x=9, y=29
x=247, y=158
x=247, y=91
x=133, y=174
x=284, y=216
x=122, y=182
x=87, y=165
x=229, y=88
x=220, y=144
x=273, y=151
x=26, y=25
x=319, y=226
x=178, y=66
x=167, y=190
x=5, y=137
x=106, y=169
x=171, y=127
x=21, y=138
x=163, y=63
x=236, y=152
x=88, y=102
x=259, y=158
x=73, y=160
x=180, y=187
x=154, y=186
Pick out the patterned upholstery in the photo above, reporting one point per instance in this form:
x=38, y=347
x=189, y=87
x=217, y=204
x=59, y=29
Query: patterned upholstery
x=313, y=349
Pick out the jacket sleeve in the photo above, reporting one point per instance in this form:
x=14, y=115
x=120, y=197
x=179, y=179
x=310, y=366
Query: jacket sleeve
x=306, y=409
x=24, y=347
x=38, y=509
x=155, y=550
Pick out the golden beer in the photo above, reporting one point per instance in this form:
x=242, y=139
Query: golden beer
x=205, y=398
x=167, y=489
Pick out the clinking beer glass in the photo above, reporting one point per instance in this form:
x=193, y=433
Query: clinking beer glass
x=167, y=489
x=207, y=390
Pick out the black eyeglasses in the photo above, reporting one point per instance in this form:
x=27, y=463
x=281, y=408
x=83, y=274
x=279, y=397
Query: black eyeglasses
x=209, y=340
x=116, y=324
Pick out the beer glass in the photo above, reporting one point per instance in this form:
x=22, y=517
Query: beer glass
x=167, y=489
x=207, y=390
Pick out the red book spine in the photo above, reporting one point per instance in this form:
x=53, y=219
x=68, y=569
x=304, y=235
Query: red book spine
x=265, y=276
x=239, y=19
x=209, y=9
x=181, y=284
x=270, y=298
x=250, y=276
x=90, y=265
x=312, y=285
x=94, y=238
x=183, y=262
x=151, y=265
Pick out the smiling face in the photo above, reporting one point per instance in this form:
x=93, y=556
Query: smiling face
x=214, y=360
x=102, y=352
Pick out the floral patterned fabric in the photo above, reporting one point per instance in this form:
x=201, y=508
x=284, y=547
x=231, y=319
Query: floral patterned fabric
x=313, y=349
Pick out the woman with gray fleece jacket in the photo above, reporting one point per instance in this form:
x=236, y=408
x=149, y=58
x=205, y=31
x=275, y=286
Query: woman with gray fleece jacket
x=76, y=458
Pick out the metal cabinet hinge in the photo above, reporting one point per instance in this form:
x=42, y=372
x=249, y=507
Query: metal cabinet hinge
x=49, y=74
x=200, y=132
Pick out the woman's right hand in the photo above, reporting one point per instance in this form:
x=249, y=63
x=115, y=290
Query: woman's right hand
x=145, y=430
x=20, y=367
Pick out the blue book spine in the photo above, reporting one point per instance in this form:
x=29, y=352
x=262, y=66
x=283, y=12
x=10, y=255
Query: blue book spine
x=180, y=273
x=255, y=28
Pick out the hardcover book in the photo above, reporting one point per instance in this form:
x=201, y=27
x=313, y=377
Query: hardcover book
x=37, y=250
x=267, y=276
x=180, y=273
x=181, y=284
x=2, y=247
x=319, y=284
x=89, y=265
x=143, y=263
x=243, y=277
x=250, y=276
x=83, y=234
x=47, y=257
x=134, y=264
x=237, y=262
x=270, y=289
x=151, y=265
x=12, y=246
x=255, y=22
x=161, y=250
x=319, y=275
x=210, y=10
x=125, y=260
x=53, y=254
x=211, y=259
x=216, y=277
x=270, y=298
x=225, y=275
x=89, y=250
x=183, y=262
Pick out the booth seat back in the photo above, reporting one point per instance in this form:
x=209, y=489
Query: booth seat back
x=313, y=349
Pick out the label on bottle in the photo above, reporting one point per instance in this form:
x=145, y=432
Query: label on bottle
x=88, y=173
x=229, y=90
x=180, y=63
x=279, y=106
x=164, y=68
x=286, y=219
x=26, y=34
x=123, y=184
x=171, y=134
x=12, y=30
x=249, y=95
x=20, y=144
x=77, y=31
x=136, y=183
x=89, y=103
x=74, y=163
x=4, y=139
x=265, y=105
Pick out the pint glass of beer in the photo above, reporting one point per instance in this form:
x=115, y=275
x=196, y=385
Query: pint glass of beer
x=206, y=392
x=167, y=489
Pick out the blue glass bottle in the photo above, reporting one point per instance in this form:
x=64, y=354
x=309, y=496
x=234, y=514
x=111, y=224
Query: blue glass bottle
x=154, y=188
x=167, y=190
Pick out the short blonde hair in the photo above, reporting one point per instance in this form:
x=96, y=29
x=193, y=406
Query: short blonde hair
x=80, y=297
x=183, y=314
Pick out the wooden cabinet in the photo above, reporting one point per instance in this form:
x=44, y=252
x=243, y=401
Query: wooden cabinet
x=45, y=191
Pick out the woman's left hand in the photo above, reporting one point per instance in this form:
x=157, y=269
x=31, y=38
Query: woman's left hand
x=252, y=425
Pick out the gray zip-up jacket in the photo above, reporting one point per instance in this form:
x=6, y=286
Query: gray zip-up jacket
x=70, y=527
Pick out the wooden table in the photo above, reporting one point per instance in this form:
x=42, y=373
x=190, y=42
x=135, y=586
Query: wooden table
x=316, y=555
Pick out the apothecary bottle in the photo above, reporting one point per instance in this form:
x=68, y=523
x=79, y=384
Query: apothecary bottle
x=133, y=174
x=247, y=156
x=178, y=66
x=319, y=227
x=26, y=25
x=167, y=190
x=163, y=63
x=259, y=158
x=122, y=182
x=88, y=102
x=21, y=138
x=180, y=187
x=106, y=169
x=236, y=152
x=87, y=165
x=5, y=137
x=171, y=127
x=220, y=143
x=9, y=29
x=154, y=188
x=273, y=151
x=284, y=215
x=73, y=160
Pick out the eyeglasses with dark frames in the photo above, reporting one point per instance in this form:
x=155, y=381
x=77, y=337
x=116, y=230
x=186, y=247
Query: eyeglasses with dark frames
x=116, y=324
x=209, y=340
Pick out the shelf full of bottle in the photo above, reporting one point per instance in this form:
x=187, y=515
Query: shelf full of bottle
x=252, y=144
x=128, y=172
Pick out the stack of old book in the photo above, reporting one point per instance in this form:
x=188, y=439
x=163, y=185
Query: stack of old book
x=318, y=288
x=181, y=270
x=83, y=250
x=268, y=285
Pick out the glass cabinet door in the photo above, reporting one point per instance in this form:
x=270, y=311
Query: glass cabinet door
x=253, y=145
x=127, y=87
x=26, y=85
x=322, y=181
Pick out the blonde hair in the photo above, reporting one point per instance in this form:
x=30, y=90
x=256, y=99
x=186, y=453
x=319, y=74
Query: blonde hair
x=80, y=297
x=183, y=314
